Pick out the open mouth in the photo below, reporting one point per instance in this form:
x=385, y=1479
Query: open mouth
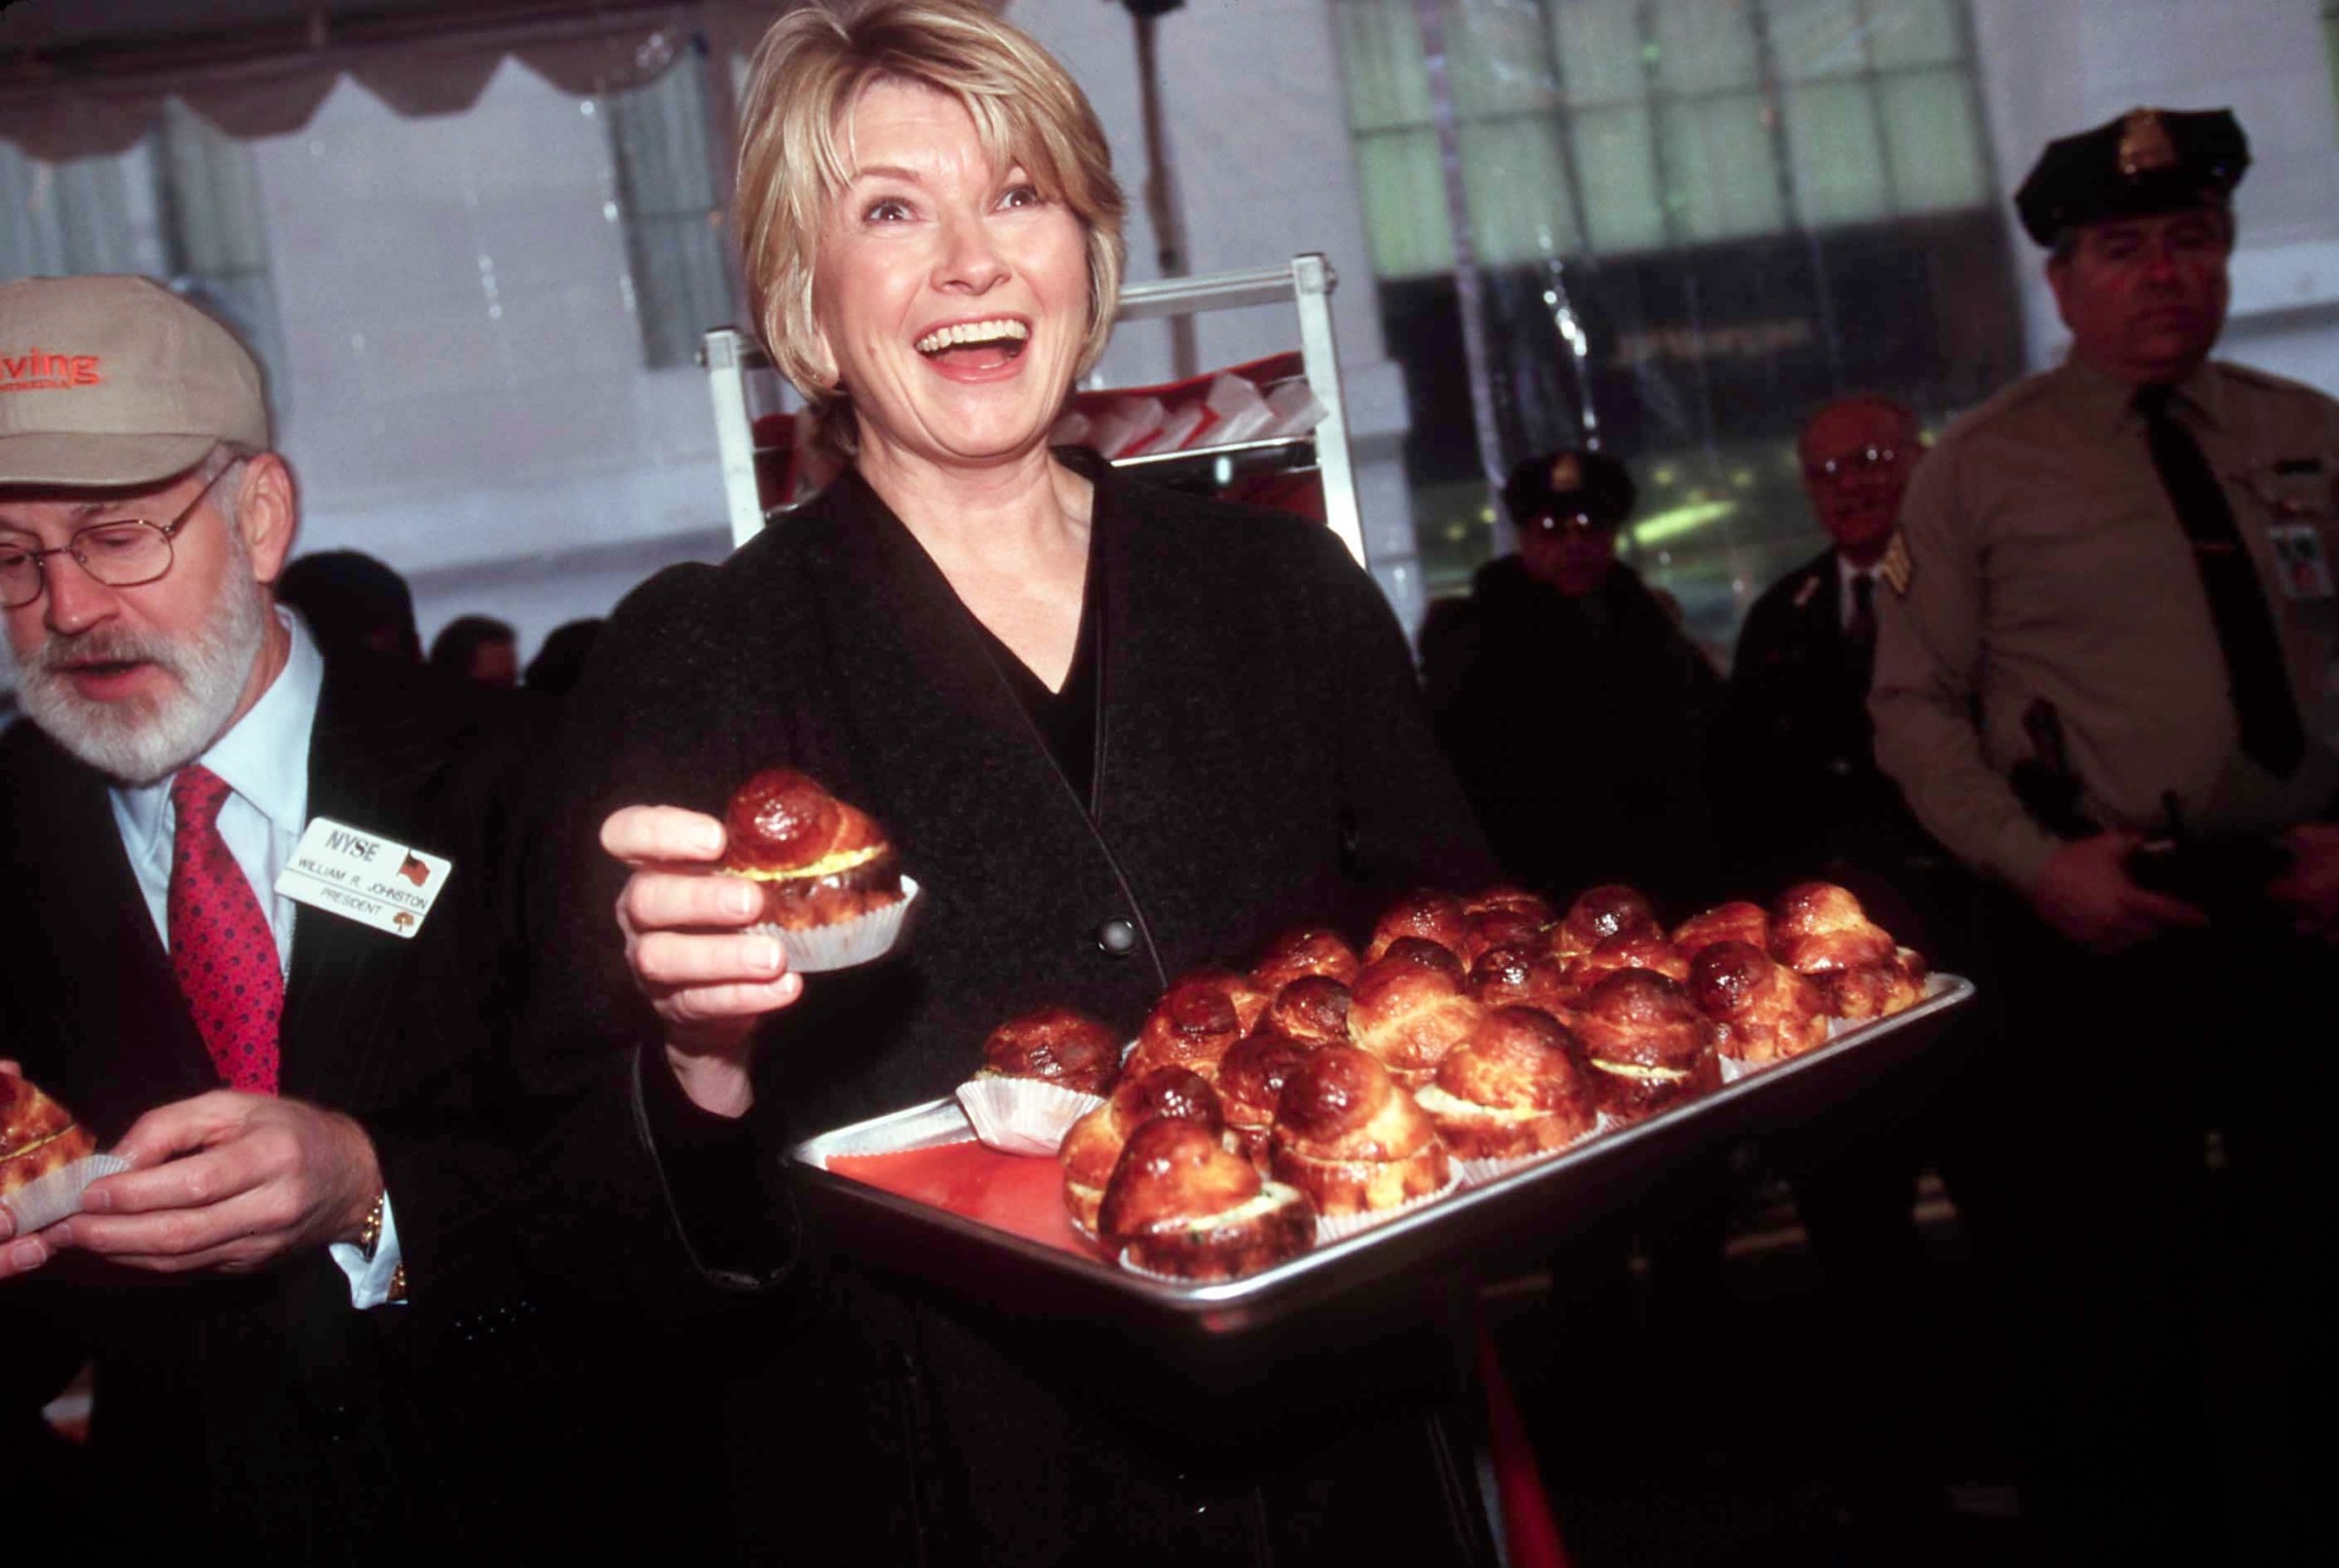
x=976, y=345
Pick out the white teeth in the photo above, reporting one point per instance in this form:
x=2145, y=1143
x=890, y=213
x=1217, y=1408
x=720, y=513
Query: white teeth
x=943, y=337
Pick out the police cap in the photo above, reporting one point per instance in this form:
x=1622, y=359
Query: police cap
x=1569, y=484
x=2147, y=161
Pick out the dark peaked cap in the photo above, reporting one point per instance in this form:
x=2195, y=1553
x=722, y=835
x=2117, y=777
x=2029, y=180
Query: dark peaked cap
x=1563, y=483
x=2147, y=161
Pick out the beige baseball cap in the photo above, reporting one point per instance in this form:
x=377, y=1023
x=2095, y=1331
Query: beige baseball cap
x=116, y=380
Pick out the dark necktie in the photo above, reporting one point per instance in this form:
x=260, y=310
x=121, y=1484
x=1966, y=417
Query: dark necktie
x=220, y=947
x=1859, y=633
x=2271, y=733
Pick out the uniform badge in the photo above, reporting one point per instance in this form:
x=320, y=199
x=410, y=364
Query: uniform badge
x=1567, y=474
x=2144, y=143
x=1897, y=569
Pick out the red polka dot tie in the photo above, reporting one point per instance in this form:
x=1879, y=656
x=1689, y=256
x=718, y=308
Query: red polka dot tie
x=220, y=945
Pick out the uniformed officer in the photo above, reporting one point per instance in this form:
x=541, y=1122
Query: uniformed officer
x=2113, y=621
x=1573, y=707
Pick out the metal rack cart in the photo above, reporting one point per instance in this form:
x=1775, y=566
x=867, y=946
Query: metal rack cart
x=1306, y=283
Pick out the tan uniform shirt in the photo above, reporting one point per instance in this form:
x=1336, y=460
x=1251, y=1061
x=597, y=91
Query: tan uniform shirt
x=2046, y=561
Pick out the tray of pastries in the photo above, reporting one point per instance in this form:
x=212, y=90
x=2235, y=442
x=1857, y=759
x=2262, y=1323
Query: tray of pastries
x=1483, y=1076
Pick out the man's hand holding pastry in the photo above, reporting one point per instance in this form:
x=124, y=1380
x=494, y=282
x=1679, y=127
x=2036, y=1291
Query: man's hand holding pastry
x=227, y=1181
x=687, y=944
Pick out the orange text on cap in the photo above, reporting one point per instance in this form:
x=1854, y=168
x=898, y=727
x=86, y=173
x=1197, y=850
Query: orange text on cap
x=39, y=370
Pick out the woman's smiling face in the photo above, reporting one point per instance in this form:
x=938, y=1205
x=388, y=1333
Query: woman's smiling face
x=951, y=296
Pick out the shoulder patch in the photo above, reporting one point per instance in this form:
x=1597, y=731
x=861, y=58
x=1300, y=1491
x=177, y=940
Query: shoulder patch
x=1896, y=569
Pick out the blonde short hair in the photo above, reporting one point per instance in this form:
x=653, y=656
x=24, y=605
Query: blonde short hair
x=807, y=75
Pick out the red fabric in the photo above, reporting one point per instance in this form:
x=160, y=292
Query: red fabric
x=1531, y=1535
x=220, y=947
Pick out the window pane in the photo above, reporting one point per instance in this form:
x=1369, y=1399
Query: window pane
x=1914, y=33
x=1380, y=55
x=1721, y=179
x=1404, y=195
x=1597, y=44
x=1616, y=160
x=1516, y=185
x=214, y=196
x=1837, y=165
x=1495, y=58
x=1817, y=38
x=1931, y=143
x=1702, y=46
x=61, y=219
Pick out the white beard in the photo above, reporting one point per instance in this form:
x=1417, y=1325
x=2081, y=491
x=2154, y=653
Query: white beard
x=142, y=739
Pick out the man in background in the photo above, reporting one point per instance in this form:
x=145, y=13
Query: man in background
x=477, y=648
x=2099, y=689
x=349, y=600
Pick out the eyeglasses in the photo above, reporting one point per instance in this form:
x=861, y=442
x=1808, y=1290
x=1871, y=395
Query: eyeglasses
x=1859, y=462
x=120, y=553
x=1572, y=523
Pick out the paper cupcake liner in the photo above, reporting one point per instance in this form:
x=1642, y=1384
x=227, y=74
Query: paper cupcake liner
x=1477, y=1172
x=1333, y=1227
x=1020, y=1116
x=54, y=1197
x=862, y=940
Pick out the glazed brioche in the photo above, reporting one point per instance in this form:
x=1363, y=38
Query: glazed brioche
x=1818, y=927
x=1349, y=1137
x=1528, y=976
x=819, y=861
x=1093, y=1146
x=1762, y=1011
x=1410, y=1018
x=1736, y=921
x=1179, y=1204
x=1193, y=1024
x=1597, y=914
x=1635, y=947
x=1648, y=1041
x=1302, y=952
x=1313, y=1008
x=1054, y=1046
x=1427, y=913
x=1251, y=1083
x=37, y=1135
x=1517, y=1086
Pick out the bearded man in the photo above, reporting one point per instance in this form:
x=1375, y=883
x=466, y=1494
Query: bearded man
x=225, y=951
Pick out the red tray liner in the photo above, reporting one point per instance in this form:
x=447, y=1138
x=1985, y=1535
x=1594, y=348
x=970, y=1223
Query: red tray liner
x=1008, y=1192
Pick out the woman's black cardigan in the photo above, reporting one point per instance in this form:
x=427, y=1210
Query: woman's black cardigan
x=1261, y=761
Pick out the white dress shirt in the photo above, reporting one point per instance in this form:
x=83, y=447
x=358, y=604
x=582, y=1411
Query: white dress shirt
x=264, y=762
x=1845, y=572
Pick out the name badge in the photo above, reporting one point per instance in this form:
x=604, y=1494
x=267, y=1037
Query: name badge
x=365, y=877
x=2304, y=569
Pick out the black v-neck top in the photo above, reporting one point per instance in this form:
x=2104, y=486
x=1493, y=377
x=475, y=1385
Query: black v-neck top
x=1066, y=718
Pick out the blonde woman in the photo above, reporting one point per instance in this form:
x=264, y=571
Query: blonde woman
x=1118, y=733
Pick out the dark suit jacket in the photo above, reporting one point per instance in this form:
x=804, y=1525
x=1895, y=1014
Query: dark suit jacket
x=1578, y=725
x=264, y=1408
x=1261, y=761
x=1795, y=781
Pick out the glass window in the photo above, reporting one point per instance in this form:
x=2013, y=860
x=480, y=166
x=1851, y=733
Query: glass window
x=1694, y=221
x=676, y=247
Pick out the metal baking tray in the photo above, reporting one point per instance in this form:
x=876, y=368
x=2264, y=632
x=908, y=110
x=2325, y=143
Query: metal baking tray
x=1521, y=1212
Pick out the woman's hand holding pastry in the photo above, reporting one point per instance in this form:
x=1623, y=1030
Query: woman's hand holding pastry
x=689, y=947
